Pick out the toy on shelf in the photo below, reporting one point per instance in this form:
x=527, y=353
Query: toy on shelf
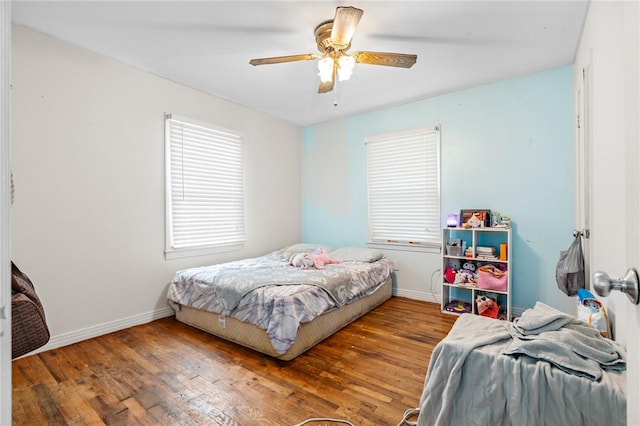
x=459, y=307
x=487, y=306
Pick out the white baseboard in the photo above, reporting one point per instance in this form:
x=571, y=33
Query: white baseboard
x=71, y=337
x=418, y=295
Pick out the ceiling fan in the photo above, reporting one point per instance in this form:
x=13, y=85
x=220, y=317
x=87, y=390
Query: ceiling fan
x=334, y=39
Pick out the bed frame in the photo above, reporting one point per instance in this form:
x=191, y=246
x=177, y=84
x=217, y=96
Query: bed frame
x=309, y=333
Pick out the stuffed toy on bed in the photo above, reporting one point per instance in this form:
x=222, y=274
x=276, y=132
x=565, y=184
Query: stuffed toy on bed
x=301, y=260
x=317, y=259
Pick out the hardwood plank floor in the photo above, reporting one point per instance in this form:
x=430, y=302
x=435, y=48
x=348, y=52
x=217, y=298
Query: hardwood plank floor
x=167, y=373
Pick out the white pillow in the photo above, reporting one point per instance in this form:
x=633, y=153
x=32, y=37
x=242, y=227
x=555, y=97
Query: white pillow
x=357, y=254
x=303, y=248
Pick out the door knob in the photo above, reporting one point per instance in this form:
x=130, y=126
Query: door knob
x=628, y=284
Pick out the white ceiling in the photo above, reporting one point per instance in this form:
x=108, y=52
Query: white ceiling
x=207, y=45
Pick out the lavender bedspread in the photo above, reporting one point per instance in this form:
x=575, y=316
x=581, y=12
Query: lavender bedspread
x=274, y=295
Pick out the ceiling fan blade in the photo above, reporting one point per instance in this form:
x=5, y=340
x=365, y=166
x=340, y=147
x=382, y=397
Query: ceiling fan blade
x=344, y=26
x=401, y=60
x=281, y=59
x=327, y=86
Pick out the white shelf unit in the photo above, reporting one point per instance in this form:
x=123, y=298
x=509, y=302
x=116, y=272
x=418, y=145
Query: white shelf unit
x=465, y=293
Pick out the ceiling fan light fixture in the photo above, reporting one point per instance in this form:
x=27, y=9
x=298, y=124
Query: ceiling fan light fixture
x=344, y=26
x=325, y=69
x=346, y=63
x=333, y=39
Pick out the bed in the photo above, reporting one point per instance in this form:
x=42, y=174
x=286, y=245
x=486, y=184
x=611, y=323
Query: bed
x=267, y=304
x=548, y=368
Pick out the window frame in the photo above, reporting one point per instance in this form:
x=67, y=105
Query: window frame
x=433, y=241
x=172, y=252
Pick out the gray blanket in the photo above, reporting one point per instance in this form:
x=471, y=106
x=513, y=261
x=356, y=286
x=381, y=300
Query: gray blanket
x=231, y=281
x=572, y=345
x=472, y=381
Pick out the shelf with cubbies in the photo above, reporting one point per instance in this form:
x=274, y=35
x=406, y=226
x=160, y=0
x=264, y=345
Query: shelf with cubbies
x=476, y=271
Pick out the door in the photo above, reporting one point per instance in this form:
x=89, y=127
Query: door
x=615, y=255
x=631, y=313
x=613, y=140
x=628, y=317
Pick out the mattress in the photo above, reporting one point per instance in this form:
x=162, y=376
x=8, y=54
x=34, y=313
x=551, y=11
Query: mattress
x=308, y=335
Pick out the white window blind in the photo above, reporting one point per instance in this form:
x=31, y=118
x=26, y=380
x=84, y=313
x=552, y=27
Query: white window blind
x=403, y=187
x=204, y=185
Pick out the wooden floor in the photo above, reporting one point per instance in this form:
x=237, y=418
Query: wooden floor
x=167, y=373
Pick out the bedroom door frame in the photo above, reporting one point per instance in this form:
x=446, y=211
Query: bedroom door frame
x=583, y=166
x=5, y=206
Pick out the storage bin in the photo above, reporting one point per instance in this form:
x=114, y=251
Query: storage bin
x=492, y=278
x=454, y=250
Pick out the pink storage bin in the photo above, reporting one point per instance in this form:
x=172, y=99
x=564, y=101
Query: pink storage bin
x=492, y=278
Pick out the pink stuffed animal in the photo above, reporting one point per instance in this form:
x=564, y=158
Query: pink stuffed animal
x=320, y=259
x=317, y=259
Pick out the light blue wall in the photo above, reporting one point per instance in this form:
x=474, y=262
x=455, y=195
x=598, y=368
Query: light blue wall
x=506, y=146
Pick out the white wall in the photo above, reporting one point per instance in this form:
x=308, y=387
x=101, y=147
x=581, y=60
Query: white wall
x=88, y=161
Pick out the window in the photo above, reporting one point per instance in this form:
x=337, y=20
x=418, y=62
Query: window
x=403, y=187
x=204, y=187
